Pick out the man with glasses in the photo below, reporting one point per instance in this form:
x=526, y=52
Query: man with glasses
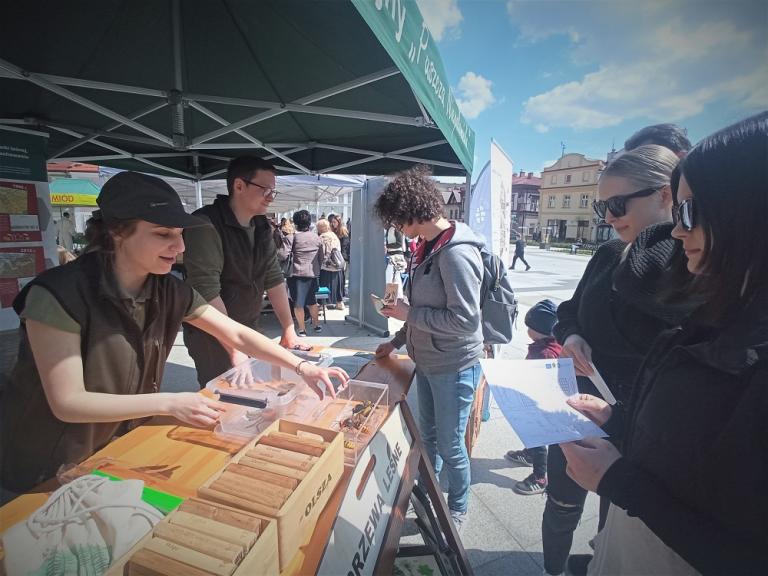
x=232, y=261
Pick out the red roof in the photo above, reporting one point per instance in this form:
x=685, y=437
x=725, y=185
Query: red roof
x=533, y=180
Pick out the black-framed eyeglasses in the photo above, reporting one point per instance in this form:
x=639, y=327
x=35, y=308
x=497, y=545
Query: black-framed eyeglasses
x=685, y=214
x=265, y=190
x=618, y=204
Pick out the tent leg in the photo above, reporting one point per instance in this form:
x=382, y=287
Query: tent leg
x=199, y=193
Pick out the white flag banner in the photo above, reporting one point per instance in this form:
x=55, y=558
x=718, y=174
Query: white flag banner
x=491, y=203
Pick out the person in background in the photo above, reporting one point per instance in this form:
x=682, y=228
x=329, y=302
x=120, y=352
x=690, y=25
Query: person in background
x=232, y=261
x=332, y=265
x=599, y=325
x=66, y=231
x=702, y=395
x=341, y=231
x=394, y=244
x=307, y=253
x=286, y=231
x=540, y=320
x=519, y=253
x=670, y=136
x=96, y=334
x=442, y=323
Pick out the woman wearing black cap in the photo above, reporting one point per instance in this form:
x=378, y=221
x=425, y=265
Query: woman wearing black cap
x=95, y=335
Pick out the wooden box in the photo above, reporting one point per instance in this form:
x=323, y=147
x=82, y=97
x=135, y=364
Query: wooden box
x=261, y=559
x=297, y=515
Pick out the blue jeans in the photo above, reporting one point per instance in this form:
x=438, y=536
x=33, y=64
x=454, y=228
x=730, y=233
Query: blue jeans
x=444, y=404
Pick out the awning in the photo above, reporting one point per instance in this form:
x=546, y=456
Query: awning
x=178, y=88
x=73, y=192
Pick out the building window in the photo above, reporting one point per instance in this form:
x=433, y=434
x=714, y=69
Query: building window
x=584, y=200
x=567, y=201
x=585, y=176
x=567, y=178
x=551, y=202
x=534, y=204
x=553, y=180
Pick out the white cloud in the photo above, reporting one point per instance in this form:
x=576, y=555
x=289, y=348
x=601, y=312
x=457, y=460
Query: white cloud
x=666, y=62
x=442, y=17
x=474, y=94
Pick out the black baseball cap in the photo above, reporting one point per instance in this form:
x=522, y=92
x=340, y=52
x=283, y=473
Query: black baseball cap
x=132, y=195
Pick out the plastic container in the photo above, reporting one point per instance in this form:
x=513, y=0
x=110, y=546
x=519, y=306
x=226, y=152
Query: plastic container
x=258, y=393
x=358, y=410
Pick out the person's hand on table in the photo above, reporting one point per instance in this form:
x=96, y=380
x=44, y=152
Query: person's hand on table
x=594, y=408
x=194, y=409
x=588, y=460
x=292, y=341
x=312, y=374
x=577, y=348
x=384, y=350
x=398, y=310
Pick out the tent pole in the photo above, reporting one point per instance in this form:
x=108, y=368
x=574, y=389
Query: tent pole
x=467, y=198
x=199, y=193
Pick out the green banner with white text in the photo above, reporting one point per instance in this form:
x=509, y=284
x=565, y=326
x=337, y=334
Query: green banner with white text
x=400, y=28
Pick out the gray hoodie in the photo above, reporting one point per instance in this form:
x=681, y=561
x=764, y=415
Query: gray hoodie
x=443, y=331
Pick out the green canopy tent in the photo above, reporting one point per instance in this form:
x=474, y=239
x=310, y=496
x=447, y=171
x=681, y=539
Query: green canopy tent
x=178, y=88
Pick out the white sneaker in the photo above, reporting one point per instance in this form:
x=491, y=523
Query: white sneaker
x=459, y=518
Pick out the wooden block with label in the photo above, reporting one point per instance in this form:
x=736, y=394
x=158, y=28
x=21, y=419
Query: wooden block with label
x=275, y=451
x=202, y=538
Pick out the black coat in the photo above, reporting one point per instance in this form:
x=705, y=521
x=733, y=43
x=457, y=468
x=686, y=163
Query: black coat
x=695, y=465
x=619, y=323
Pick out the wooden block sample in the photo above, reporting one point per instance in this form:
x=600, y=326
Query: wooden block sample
x=305, y=438
x=201, y=542
x=258, y=485
x=263, y=475
x=293, y=444
x=242, y=503
x=272, y=467
x=234, y=518
x=282, y=457
x=189, y=556
x=148, y=563
x=236, y=488
x=242, y=538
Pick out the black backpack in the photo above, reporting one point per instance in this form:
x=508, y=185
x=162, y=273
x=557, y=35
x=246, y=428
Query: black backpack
x=498, y=304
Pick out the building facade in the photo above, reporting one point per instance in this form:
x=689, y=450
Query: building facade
x=453, y=200
x=567, y=190
x=525, y=205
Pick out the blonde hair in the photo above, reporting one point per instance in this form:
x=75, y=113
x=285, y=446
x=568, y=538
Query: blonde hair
x=323, y=226
x=648, y=166
x=288, y=227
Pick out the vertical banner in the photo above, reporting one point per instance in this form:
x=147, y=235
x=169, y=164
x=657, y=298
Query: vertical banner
x=490, y=215
x=27, y=232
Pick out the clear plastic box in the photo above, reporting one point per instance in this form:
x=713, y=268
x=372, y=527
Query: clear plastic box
x=358, y=410
x=257, y=393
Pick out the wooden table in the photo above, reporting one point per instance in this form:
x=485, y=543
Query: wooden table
x=178, y=459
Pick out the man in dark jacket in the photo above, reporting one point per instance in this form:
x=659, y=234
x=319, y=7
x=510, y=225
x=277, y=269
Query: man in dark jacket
x=233, y=261
x=519, y=253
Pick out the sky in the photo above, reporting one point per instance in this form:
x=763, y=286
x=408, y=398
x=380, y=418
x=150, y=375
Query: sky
x=532, y=74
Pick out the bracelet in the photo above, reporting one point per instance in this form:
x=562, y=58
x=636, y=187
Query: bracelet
x=298, y=368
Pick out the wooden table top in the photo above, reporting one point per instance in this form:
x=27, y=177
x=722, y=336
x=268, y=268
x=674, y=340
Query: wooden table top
x=178, y=459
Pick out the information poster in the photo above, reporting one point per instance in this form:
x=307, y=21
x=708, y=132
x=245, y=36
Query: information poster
x=27, y=231
x=18, y=212
x=17, y=267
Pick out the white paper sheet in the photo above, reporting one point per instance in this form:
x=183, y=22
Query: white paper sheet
x=532, y=395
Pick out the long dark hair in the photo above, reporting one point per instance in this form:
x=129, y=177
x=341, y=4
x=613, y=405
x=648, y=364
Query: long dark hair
x=728, y=175
x=99, y=233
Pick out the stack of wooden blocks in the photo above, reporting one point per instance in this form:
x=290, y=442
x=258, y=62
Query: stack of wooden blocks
x=287, y=473
x=202, y=538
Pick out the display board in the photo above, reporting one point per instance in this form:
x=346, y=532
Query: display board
x=27, y=232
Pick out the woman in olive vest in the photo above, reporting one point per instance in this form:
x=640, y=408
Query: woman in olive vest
x=96, y=333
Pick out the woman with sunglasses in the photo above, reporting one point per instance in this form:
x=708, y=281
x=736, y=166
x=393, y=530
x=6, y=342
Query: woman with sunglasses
x=702, y=395
x=598, y=326
x=96, y=334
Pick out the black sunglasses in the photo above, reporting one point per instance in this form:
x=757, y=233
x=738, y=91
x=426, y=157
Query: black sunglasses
x=618, y=204
x=685, y=214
